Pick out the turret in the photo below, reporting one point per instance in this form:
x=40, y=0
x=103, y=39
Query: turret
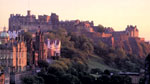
x=28, y=13
x=132, y=31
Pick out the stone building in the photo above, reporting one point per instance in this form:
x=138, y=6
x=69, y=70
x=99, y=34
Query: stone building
x=46, y=23
x=37, y=49
x=120, y=36
x=13, y=34
x=132, y=31
x=54, y=47
x=5, y=36
x=40, y=49
x=40, y=46
x=31, y=23
x=13, y=56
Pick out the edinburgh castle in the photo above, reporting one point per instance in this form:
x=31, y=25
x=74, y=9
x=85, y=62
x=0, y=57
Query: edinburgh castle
x=31, y=40
x=45, y=23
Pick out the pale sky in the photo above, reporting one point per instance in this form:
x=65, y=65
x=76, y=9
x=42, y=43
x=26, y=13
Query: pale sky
x=110, y=13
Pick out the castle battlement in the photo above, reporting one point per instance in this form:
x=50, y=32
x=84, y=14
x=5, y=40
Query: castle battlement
x=46, y=22
x=17, y=22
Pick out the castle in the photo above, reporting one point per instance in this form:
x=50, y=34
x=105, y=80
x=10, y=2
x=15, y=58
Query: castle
x=16, y=54
x=47, y=23
x=31, y=23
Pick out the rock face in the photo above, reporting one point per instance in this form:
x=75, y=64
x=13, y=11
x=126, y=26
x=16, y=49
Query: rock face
x=134, y=46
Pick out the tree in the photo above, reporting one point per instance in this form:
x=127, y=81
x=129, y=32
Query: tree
x=32, y=80
x=107, y=72
x=82, y=43
x=104, y=79
x=96, y=71
x=27, y=36
x=28, y=80
x=100, y=28
x=56, y=69
x=142, y=80
x=69, y=79
x=121, y=53
x=50, y=36
x=87, y=47
x=117, y=79
x=100, y=48
x=43, y=64
x=87, y=79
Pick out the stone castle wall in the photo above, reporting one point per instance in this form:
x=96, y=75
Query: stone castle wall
x=29, y=22
x=46, y=23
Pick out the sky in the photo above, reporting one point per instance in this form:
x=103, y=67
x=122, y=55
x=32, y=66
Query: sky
x=109, y=13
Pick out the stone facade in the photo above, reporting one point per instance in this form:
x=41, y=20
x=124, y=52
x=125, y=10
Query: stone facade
x=40, y=46
x=30, y=23
x=46, y=23
x=54, y=47
x=37, y=49
x=13, y=56
x=40, y=49
x=120, y=36
x=132, y=31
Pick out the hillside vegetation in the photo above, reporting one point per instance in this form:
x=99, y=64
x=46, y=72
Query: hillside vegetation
x=97, y=55
x=85, y=62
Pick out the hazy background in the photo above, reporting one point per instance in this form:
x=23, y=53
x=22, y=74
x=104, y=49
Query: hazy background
x=110, y=13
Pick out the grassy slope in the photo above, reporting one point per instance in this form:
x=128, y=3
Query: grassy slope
x=97, y=62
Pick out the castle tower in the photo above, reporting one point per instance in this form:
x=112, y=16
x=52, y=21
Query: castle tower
x=28, y=13
x=54, y=19
x=132, y=31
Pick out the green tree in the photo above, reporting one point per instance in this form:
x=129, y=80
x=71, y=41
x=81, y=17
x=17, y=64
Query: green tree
x=121, y=53
x=43, y=64
x=69, y=79
x=96, y=71
x=82, y=43
x=87, y=79
x=100, y=28
x=27, y=36
x=116, y=79
x=32, y=80
x=142, y=80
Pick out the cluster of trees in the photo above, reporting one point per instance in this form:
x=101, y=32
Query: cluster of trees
x=73, y=68
x=66, y=71
x=117, y=58
x=78, y=46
